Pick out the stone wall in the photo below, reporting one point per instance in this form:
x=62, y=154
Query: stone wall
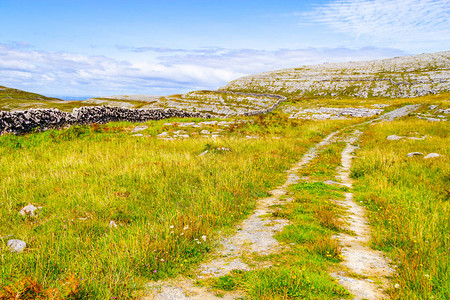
x=20, y=122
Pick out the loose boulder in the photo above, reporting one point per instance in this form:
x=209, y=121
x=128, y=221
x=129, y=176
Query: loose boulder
x=411, y=154
x=28, y=210
x=16, y=245
x=394, y=137
x=431, y=155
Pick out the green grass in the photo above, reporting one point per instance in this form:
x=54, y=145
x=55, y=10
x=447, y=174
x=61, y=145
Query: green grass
x=162, y=195
x=408, y=200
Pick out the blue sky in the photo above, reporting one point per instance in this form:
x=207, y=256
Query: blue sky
x=98, y=47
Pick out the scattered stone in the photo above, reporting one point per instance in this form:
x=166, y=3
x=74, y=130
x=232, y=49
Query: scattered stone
x=411, y=154
x=251, y=137
x=223, y=149
x=28, y=210
x=431, y=155
x=16, y=245
x=162, y=134
x=333, y=113
x=433, y=120
x=417, y=138
x=139, y=128
x=331, y=182
x=203, y=153
x=381, y=105
x=431, y=107
x=112, y=224
x=138, y=134
x=205, y=132
x=394, y=137
x=214, y=136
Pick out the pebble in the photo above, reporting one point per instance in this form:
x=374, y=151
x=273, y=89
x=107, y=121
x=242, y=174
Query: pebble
x=431, y=155
x=16, y=245
x=112, y=224
x=203, y=153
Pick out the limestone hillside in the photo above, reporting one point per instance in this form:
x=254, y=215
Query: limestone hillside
x=408, y=76
x=219, y=103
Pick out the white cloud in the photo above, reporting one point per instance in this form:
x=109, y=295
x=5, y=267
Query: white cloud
x=405, y=24
x=60, y=73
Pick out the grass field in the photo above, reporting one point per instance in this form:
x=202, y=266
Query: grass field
x=408, y=199
x=167, y=201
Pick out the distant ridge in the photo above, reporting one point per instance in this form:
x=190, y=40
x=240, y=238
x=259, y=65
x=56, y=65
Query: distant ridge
x=408, y=76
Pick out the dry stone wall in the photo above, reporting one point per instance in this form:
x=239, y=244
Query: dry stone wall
x=20, y=122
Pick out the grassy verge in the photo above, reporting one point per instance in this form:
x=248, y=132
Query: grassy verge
x=166, y=200
x=408, y=199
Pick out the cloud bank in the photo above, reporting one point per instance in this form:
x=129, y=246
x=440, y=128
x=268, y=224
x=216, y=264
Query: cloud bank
x=175, y=70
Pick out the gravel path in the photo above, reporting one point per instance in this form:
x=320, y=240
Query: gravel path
x=370, y=266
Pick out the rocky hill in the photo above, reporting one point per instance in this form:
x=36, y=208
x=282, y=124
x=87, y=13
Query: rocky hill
x=408, y=76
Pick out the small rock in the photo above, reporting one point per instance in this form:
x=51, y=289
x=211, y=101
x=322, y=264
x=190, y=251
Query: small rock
x=112, y=224
x=394, y=137
x=204, y=131
x=138, y=134
x=223, y=149
x=139, y=128
x=431, y=107
x=433, y=120
x=16, y=245
x=203, y=153
x=330, y=182
x=417, y=138
x=251, y=137
x=431, y=155
x=162, y=134
x=411, y=154
x=28, y=210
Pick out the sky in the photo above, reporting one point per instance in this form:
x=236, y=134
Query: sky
x=84, y=48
